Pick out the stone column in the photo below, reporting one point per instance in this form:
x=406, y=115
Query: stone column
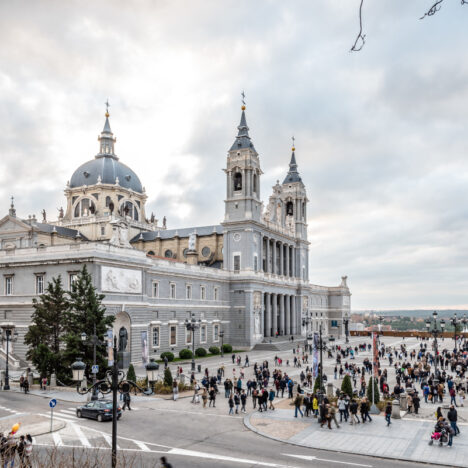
x=293, y=316
x=268, y=255
x=267, y=319
x=281, y=314
x=281, y=262
x=275, y=314
x=287, y=272
x=273, y=258
x=293, y=262
x=287, y=314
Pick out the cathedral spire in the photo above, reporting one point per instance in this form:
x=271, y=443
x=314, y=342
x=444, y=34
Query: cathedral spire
x=12, y=211
x=106, y=139
x=293, y=174
x=242, y=138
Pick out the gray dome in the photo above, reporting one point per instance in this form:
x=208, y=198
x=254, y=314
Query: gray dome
x=109, y=169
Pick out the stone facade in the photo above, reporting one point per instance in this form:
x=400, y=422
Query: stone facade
x=247, y=277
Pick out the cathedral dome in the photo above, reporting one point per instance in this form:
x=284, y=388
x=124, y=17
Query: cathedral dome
x=105, y=168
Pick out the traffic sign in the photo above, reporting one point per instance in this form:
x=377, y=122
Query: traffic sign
x=95, y=369
x=53, y=403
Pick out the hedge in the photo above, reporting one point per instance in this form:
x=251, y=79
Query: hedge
x=168, y=354
x=347, y=386
x=200, y=352
x=185, y=354
x=227, y=348
x=213, y=350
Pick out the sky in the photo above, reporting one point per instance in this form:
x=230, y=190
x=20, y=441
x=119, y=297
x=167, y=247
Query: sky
x=381, y=134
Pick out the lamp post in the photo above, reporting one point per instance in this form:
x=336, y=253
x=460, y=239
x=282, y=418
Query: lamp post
x=306, y=321
x=8, y=336
x=321, y=346
x=464, y=321
x=346, y=327
x=192, y=325
x=454, y=322
x=114, y=382
x=93, y=341
x=435, y=332
x=221, y=335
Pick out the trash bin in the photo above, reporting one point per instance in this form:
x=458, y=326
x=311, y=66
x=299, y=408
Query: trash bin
x=396, y=409
x=403, y=402
x=199, y=367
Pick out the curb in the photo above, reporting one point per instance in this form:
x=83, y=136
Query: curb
x=249, y=426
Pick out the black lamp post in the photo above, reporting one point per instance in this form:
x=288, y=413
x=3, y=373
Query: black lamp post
x=346, y=328
x=321, y=346
x=8, y=336
x=114, y=382
x=93, y=341
x=192, y=325
x=221, y=334
x=455, y=322
x=306, y=321
x=435, y=333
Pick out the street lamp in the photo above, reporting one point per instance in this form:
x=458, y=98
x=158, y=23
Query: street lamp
x=113, y=382
x=221, y=334
x=8, y=336
x=346, y=327
x=305, y=323
x=454, y=322
x=152, y=372
x=192, y=325
x=435, y=333
x=321, y=346
x=93, y=341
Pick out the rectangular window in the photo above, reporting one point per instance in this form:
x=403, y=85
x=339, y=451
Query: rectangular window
x=103, y=230
x=39, y=284
x=156, y=337
x=216, y=332
x=216, y=294
x=255, y=263
x=202, y=293
x=71, y=279
x=334, y=323
x=173, y=335
x=173, y=290
x=203, y=334
x=188, y=291
x=237, y=261
x=188, y=336
x=9, y=285
x=155, y=289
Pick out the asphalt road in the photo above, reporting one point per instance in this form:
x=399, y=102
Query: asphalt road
x=187, y=435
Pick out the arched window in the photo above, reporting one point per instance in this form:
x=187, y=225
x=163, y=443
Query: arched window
x=255, y=188
x=237, y=181
x=150, y=252
x=290, y=208
x=85, y=207
x=108, y=201
x=129, y=209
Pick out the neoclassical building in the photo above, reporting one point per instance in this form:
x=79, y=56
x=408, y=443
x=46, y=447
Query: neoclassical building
x=247, y=276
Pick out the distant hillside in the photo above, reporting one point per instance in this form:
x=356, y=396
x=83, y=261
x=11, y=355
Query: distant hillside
x=413, y=313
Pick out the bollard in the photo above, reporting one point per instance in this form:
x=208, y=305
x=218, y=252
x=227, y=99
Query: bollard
x=329, y=390
x=53, y=380
x=403, y=402
x=396, y=409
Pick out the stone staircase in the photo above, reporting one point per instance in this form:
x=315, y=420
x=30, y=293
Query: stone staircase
x=280, y=343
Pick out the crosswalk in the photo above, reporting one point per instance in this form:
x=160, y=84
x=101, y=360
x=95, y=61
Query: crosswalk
x=8, y=410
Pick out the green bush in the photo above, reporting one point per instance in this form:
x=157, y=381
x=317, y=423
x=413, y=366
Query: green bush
x=213, y=350
x=168, y=354
x=347, y=386
x=317, y=384
x=376, y=391
x=168, y=377
x=185, y=354
x=227, y=348
x=131, y=373
x=200, y=352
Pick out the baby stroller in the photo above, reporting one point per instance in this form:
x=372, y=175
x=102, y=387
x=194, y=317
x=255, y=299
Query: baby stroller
x=439, y=435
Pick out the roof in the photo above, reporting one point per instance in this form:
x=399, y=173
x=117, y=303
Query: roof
x=184, y=232
x=61, y=231
x=293, y=174
x=243, y=139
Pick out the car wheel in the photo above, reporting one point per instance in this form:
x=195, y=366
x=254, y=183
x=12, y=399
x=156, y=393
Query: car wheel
x=99, y=418
x=78, y=414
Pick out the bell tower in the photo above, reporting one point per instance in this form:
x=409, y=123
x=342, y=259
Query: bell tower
x=242, y=177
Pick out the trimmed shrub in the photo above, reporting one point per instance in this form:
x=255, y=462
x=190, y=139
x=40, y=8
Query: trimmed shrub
x=131, y=373
x=317, y=384
x=168, y=354
x=168, y=377
x=227, y=348
x=200, y=352
x=185, y=354
x=213, y=350
x=376, y=391
x=347, y=386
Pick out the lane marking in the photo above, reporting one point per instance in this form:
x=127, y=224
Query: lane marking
x=57, y=439
x=199, y=414
x=68, y=412
x=142, y=446
x=308, y=457
x=108, y=439
x=81, y=435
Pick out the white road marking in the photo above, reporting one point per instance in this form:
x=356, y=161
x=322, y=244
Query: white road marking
x=203, y=413
x=108, y=439
x=142, y=446
x=81, y=435
x=57, y=439
x=59, y=417
x=308, y=457
x=68, y=412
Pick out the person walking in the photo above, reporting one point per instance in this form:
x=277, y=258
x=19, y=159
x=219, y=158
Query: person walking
x=237, y=402
x=243, y=398
x=452, y=416
x=20, y=449
x=333, y=410
x=204, y=397
x=175, y=390
x=365, y=411
x=127, y=400
x=297, y=405
x=231, y=404
x=388, y=413
x=271, y=397
x=326, y=416
x=342, y=409
x=28, y=446
x=164, y=463
x=353, y=409
x=212, y=394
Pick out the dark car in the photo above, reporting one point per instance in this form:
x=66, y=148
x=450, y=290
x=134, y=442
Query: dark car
x=100, y=410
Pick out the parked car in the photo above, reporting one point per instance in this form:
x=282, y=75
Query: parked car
x=99, y=409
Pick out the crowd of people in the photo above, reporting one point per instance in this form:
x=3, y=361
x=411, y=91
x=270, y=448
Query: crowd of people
x=13, y=448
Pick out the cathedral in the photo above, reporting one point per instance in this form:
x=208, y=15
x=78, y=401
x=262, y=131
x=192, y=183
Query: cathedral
x=245, y=280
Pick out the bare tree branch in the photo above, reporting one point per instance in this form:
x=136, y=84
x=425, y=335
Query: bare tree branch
x=361, y=38
x=434, y=9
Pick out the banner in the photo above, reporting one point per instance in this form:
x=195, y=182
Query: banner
x=110, y=349
x=315, y=356
x=144, y=347
x=375, y=352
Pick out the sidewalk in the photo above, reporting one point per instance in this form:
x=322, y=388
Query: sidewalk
x=403, y=440
x=30, y=424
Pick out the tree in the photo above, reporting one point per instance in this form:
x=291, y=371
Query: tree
x=86, y=315
x=346, y=386
x=317, y=384
x=168, y=377
x=376, y=390
x=45, y=334
x=131, y=373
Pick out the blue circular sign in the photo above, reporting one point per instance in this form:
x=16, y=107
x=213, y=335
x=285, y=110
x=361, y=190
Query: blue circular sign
x=53, y=403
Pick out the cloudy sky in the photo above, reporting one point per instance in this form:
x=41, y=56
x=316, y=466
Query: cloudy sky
x=381, y=135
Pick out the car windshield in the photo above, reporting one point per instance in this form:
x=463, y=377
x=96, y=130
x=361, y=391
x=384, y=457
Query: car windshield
x=106, y=404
